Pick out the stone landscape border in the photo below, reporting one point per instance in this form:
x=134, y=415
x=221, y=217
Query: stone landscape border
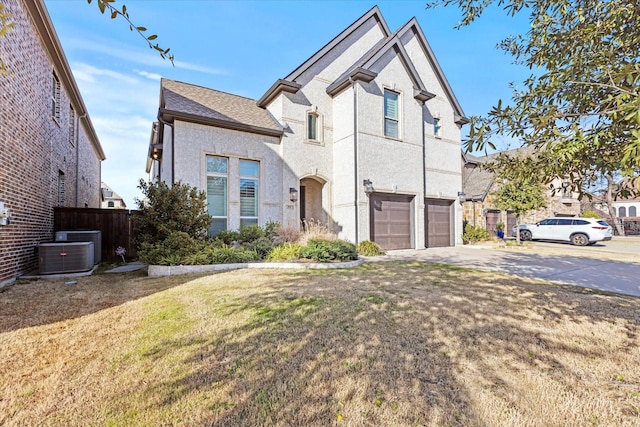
x=173, y=270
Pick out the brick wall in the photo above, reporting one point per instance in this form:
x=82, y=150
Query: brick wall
x=35, y=150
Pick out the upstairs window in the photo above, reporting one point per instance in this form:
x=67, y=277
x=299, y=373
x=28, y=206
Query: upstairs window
x=436, y=127
x=312, y=126
x=72, y=126
x=391, y=114
x=55, y=99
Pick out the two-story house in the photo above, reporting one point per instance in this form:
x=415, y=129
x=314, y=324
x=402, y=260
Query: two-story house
x=50, y=154
x=363, y=136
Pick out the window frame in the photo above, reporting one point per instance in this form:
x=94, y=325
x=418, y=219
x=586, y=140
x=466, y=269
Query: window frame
x=225, y=176
x=386, y=117
x=317, y=126
x=72, y=125
x=437, y=127
x=55, y=98
x=249, y=219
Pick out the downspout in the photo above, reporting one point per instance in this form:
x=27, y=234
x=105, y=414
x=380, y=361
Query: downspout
x=355, y=155
x=77, y=142
x=424, y=175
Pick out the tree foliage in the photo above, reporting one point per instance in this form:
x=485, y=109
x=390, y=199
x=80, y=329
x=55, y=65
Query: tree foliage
x=582, y=99
x=106, y=6
x=520, y=184
x=165, y=210
x=6, y=26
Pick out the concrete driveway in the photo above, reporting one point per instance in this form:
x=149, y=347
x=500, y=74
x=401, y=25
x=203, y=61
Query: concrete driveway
x=563, y=264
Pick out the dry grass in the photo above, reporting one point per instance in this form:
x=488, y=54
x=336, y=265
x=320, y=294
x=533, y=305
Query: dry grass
x=314, y=229
x=398, y=343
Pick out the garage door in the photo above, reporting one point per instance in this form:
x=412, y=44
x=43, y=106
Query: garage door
x=391, y=220
x=438, y=223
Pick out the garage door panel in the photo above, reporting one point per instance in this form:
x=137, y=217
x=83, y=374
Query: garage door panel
x=391, y=220
x=438, y=223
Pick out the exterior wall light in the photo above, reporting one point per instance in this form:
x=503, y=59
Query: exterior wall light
x=293, y=194
x=462, y=197
x=368, y=186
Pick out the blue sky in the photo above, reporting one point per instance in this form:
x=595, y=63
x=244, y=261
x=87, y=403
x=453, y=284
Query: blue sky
x=243, y=47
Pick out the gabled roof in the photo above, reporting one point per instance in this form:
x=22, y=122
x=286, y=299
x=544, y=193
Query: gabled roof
x=413, y=26
x=289, y=81
x=199, y=104
x=361, y=70
x=479, y=181
x=49, y=37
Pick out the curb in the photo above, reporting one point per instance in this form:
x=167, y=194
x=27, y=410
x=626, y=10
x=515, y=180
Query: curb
x=173, y=270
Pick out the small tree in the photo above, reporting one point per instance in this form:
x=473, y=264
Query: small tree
x=168, y=209
x=520, y=185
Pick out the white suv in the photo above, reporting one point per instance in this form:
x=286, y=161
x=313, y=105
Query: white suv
x=578, y=231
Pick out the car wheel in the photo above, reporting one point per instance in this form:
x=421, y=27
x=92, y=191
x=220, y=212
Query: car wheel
x=525, y=235
x=579, y=239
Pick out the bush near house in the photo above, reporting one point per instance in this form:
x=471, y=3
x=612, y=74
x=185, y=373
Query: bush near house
x=369, y=248
x=474, y=234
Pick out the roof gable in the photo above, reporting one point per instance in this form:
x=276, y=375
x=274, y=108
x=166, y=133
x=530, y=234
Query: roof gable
x=198, y=104
x=289, y=84
x=414, y=27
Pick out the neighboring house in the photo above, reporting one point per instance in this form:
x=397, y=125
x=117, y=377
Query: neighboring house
x=110, y=199
x=479, y=207
x=50, y=154
x=364, y=136
x=627, y=210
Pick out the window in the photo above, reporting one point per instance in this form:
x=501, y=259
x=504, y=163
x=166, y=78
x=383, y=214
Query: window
x=55, y=98
x=72, y=126
x=632, y=211
x=217, y=193
x=111, y=204
x=436, y=127
x=622, y=212
x=312, y=127
x=391, y=114
x=60, y=188
x=249, y=174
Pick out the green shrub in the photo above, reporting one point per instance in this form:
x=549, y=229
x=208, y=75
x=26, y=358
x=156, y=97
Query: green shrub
x=229, y=255
x=171, y=251
x=227, y=236
x=369, y=248
x=474, y=234
x=271, y=229
x=325, y=251
x=250, y=233
x=261, y=246
x=165, y=210
x=284, y=252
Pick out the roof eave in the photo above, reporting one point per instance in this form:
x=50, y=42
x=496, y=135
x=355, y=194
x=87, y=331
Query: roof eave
x=423, y=95
x=358, y=74
x=281, y=85
x=171, y=115
x=49, y=37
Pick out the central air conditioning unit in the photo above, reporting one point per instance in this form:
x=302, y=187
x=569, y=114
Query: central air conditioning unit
x=65, y=257
x=94, y=236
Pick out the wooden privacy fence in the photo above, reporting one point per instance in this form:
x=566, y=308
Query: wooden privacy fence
x=116, y=226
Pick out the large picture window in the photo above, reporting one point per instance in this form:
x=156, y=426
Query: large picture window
x=249, y=178
x=217, y=175
x=391, y=114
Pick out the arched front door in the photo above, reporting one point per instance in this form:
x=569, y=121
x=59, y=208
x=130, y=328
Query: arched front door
x=311, y=201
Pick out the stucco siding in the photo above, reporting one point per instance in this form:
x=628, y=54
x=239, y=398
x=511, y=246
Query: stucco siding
x=193, y=142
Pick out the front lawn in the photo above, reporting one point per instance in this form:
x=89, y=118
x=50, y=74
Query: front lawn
x=384, y=344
